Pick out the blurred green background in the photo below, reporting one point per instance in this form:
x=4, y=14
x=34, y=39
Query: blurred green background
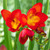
x=25, y=5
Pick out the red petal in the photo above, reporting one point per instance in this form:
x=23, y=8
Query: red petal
x=30, y=33
x=13, y=30
x=38, y=7
x=15, y=14
x=43, y=17
x=3, y=47
x=33, y=27
x=42, y=25
x=5, y=14
x=23, y=19
x=32, y=11
x=23, y=37
x=39, y=30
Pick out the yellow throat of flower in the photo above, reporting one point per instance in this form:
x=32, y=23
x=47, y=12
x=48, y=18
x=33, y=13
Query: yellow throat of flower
x=15, y=23
x=32, y=20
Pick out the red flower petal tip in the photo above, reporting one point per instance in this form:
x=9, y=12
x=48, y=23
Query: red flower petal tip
x=23, y=19
x=5, y=14
x=38, y=7
x=12, y=30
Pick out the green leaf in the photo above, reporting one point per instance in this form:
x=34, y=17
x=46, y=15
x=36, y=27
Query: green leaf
x=7, y=34
x=37, y=1
x=31, y=45
x=46, y=7
x=49, y=40
x=17, y=44
x=0, y=16
x=17, y=4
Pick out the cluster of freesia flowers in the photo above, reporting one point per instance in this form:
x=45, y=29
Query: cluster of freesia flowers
x=34, y=19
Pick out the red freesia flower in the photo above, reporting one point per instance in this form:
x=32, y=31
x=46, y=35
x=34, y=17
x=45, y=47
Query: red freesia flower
x=24, y=34
x=12, y=19
x=3, y=47
x=35, y=18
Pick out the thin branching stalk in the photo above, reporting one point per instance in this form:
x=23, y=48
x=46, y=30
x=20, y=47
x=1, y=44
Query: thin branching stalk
x=16, y=38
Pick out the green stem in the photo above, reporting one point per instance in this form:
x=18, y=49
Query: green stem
x=40, y=41
x=22, y=47
x=33, y=2
x=7, y=34
x=4, y=4
x=17, y=4
x=37, y=1
x=16, y=38
x=31, y=45
x=17, y=44
x=46, y=7
x=49, y=40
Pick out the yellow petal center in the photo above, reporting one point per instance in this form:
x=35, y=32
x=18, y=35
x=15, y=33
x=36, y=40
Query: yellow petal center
x=32, y=20
x=15, y=23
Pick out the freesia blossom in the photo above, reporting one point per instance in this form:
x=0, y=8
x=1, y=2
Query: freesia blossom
x=35, y=18
x=12, y=19
x=24, y=34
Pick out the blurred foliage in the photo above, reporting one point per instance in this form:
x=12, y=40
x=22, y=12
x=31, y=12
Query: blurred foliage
x=0, y=16
x=24, y=4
